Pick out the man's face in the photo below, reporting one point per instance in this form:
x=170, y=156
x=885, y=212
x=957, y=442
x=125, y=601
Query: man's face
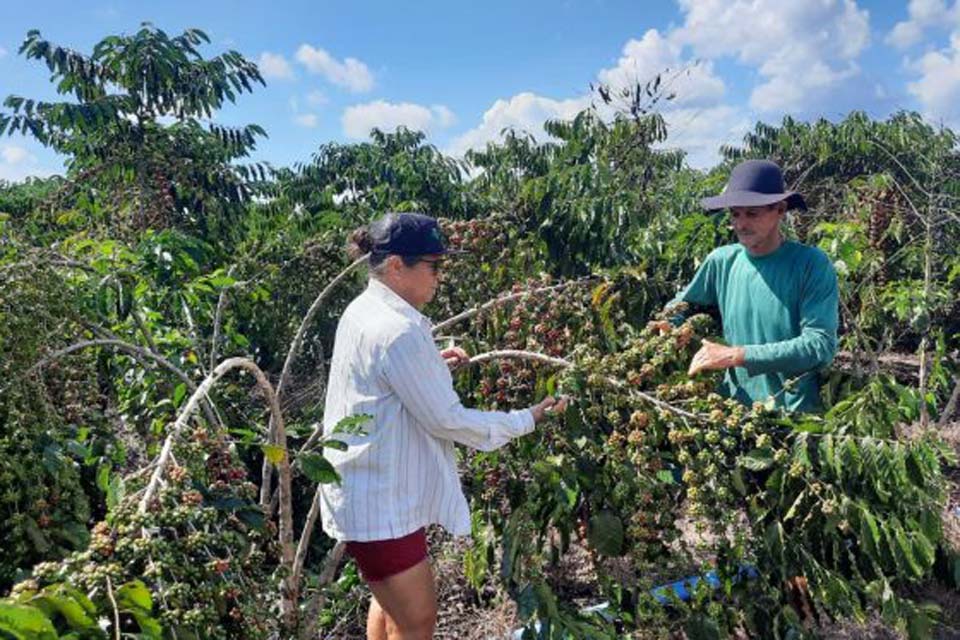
x=758, y=228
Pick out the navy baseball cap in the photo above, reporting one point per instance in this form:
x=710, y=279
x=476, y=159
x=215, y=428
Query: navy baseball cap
x=409, y=234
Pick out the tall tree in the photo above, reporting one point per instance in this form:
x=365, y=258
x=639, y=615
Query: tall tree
x=137, y=133
x=393, y=171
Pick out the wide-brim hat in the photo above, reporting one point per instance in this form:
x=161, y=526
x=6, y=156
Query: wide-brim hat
x=754, y=183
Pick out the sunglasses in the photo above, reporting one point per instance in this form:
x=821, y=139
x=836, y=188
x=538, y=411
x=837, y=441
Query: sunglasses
x=435, y=265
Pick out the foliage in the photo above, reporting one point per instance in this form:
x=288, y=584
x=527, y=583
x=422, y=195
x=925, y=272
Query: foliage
x=393, y=172
x=129, y=169
x=596, y=196
x=62, y=611
x=198, y=548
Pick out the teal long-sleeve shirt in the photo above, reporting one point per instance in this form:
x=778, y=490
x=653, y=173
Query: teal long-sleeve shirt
x=782, y=308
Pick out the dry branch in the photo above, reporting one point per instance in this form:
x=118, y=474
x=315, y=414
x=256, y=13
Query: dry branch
x=139, y=353
x=303, y=544
x=312, y=609
x=116, y=610
x=565, y=364
x=490, y=304
x=517, y=354
x=951, y=407
x=288, y=364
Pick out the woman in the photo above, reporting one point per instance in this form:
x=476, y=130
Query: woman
x=400, y=475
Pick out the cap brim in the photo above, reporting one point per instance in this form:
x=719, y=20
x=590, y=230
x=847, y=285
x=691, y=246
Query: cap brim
x=752, y=199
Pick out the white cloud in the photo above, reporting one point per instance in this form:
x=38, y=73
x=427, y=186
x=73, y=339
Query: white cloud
x=17, y=163
x=923, y=14
x=359, y=119
x=642, y=60
x=817, y=87
x=350, y=74
x=697, y=120
x=12, y=154
x=274, y=66
x=445, y=117
x=3, y=52
x=308, y=120
x=524, y=112
x=805, y=53
x=938, y=87
x=317, y=98
x=802, y=48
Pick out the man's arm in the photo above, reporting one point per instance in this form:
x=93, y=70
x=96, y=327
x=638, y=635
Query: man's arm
x=700, y=291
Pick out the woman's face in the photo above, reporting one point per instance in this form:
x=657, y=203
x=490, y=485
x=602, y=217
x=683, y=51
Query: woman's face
x=419, y=282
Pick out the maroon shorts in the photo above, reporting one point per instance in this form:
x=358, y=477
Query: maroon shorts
x=381, y=559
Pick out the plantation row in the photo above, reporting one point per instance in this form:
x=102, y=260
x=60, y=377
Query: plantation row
x=167, y=316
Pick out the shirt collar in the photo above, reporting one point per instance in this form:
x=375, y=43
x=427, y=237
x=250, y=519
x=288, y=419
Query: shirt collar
x=390, y=297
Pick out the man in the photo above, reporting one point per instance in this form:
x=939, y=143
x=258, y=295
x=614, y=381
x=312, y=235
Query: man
x=777, y=298
x=400, y=476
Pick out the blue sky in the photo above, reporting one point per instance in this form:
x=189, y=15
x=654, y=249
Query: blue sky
x=463, y=71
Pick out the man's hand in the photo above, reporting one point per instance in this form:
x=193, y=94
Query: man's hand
x=454, y=357
x=548, y=406
x=660, y=326
x=715, y=357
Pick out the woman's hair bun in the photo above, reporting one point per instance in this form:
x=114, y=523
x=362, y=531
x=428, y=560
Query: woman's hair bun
x=360, y=243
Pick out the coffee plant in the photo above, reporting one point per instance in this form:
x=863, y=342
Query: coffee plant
x=146, y=490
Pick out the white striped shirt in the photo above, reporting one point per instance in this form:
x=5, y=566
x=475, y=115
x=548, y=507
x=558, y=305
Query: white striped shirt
x=402, y=474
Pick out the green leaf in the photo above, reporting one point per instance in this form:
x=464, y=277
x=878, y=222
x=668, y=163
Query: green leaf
x=923, y=550
x=792, y=511
x=74, y=534
x=103, y=477
x=527, y=602
x=52, y=459
x=758, y=459
x=39, y=540
x=666, y=476
x=353, y=425
x=70, y=603
x=26, y=622
x=318, y=469
x=115, y=491
x=252, y=517
x=179, y=393
x=221, y=281
x=339, y=445
x=274, y=453
x=135, y=594
x=905, y=551
x=870, y=533
x=605, y=533
x=736, y=479
x=701, y=627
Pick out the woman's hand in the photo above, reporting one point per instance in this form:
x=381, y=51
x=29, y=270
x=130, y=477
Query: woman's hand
x=548, y=406
x=454, y=357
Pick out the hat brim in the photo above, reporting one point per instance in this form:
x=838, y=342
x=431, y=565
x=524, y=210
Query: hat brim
x=752, y=199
